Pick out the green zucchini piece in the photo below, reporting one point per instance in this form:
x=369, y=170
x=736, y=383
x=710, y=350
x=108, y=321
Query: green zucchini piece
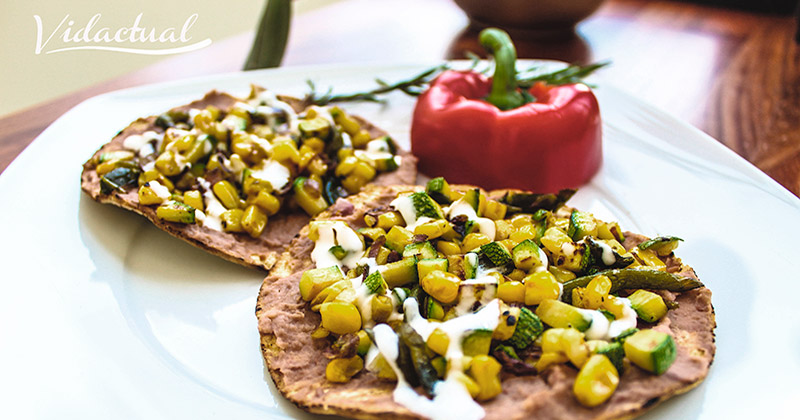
x=651, y=350
x=375, y=283
x=529, y=327
x=315, y=127
x=526, y=255
x=477, y=342
x=425, y=266
x=338, y=252
x=435, y=310
x=558, y=314
x=496, y=253
x=615, y=354
x=473, y=198
x=662, y=245
x=581, y=224
x=424, y=206
x=398, y=237
x=649, y=306
x=471, y=261
x=421, y=250
x=175, y=211
x=439, y=190
x=626, y=278
x=625, y=334
x=522, y=202
x=400, y=273
x=400, y=295
x=117, y=179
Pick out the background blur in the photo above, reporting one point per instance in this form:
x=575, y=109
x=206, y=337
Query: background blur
x=27, y=78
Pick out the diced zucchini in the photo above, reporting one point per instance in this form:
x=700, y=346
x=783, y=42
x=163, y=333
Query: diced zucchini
x=662, y=245
x=529, y=326
x=315, y=127
x=558, y=314
x=425, y=266
x=308, y=196
x=473, y=198
x=375, y=283
x=470, y=265
x=424, y=206
x=175, y=211
x=401, y=272
x=398, y=237
x=526, y=255
x=496, y=253
x=581, y=224
x=422, y=250
x=316, y=279
x=625, y=334
x=439, y=190
x=614, y=352
x=651, y=350
x=648, y=305
x=477, y=342
x=435, y=310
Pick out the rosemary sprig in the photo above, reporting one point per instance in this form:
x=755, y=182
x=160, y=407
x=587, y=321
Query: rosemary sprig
x=417, y=84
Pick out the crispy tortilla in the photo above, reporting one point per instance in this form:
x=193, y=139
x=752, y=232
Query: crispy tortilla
x=297, y=362
x=261, y=252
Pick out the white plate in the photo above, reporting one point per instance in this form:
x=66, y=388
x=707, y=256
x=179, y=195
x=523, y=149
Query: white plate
x=104, y=316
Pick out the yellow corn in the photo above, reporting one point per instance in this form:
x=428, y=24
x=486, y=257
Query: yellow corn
x=194, y=199
x=438, y=342
x=167, y=165
x=521, y=220
x=340, y=317
x=346, y=166
x=441, y=285
x=253, y=185
x=353, y=184
x=381, y=308
x=148, y=197
x=384, y=369
x=433, y=229
x=317, y=167
x=495, y=210
x=522, y=233
x=360, y=139
x=227, y=194
x=284, y=149
x=320, y=333
x=341, y=370
x=503, y=229
x=344, y=153
x=267, y=202
x=472, y=241
x=511, y=292
x=232, y=220
x=348, y=124
x=554, y=238
x=561, y=274
x=615, y=306
x=448, y=248
x=596, y=381
x=485, y=371
x=539, y=286
x=567, y=342
x=315, y=143
x=386, y=220
x=183, y=143
x=254, y=220
x=507, y=324
x=517, y=275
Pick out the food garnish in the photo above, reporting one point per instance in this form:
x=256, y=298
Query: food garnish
x=451, y=291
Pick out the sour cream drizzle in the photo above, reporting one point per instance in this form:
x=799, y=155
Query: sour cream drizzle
x=603, y=329
x=214, y=208
x=332, y=233
x=461, y=207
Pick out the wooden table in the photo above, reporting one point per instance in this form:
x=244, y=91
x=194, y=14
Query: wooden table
x=734, y=75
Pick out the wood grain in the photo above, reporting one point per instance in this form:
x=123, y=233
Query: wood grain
x=733, y=74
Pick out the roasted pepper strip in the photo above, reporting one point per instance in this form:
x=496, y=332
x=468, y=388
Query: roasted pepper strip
x=474, y=130
x=628, y=278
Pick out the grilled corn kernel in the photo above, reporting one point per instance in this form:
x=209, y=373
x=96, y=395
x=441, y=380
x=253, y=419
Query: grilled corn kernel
x=227, y=194
x=340, y=317
x=596, y=292
x=284, y=149
x=315, y=143
x=317, y=166
x=511, y=292
x=386, y=220
x=614, y=305
x=344, y=153
x=364, y=170
x=232, y=220
x=517, y=274
x=507, y=324
x=448, y=248
x=267, y=202
x=174, y=211
x=349, y=124
x=495, y=210
x=353, y=184
x=147, y=196
x=254, y=220
x=503, y=229
x=473, y=241
x=539, y=286
x=306, y=154
x=441, y=285
x=194, y=199
x=438, y=342
x=381, y=308
x=346, y=166
x=360, y=139
x=521, y=220
x=554, y=238
x=596, y=381
x=522, y=233
x=167, y=164
x=253, y=185
x=320, y=333
x=341, y=370
x=433, y=229
x=183, y=143
x=485, y=371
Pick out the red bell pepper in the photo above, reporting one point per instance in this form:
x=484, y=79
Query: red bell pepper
x=470, y=129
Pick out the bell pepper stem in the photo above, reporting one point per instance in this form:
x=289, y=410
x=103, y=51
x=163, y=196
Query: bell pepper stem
x=504, y=93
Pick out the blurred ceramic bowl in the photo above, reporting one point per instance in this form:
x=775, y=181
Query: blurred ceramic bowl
x=529, y=17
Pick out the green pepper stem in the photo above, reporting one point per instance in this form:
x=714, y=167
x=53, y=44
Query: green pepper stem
x=504, y=93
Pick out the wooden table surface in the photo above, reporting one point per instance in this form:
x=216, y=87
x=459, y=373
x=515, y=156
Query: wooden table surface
x=734, y=75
